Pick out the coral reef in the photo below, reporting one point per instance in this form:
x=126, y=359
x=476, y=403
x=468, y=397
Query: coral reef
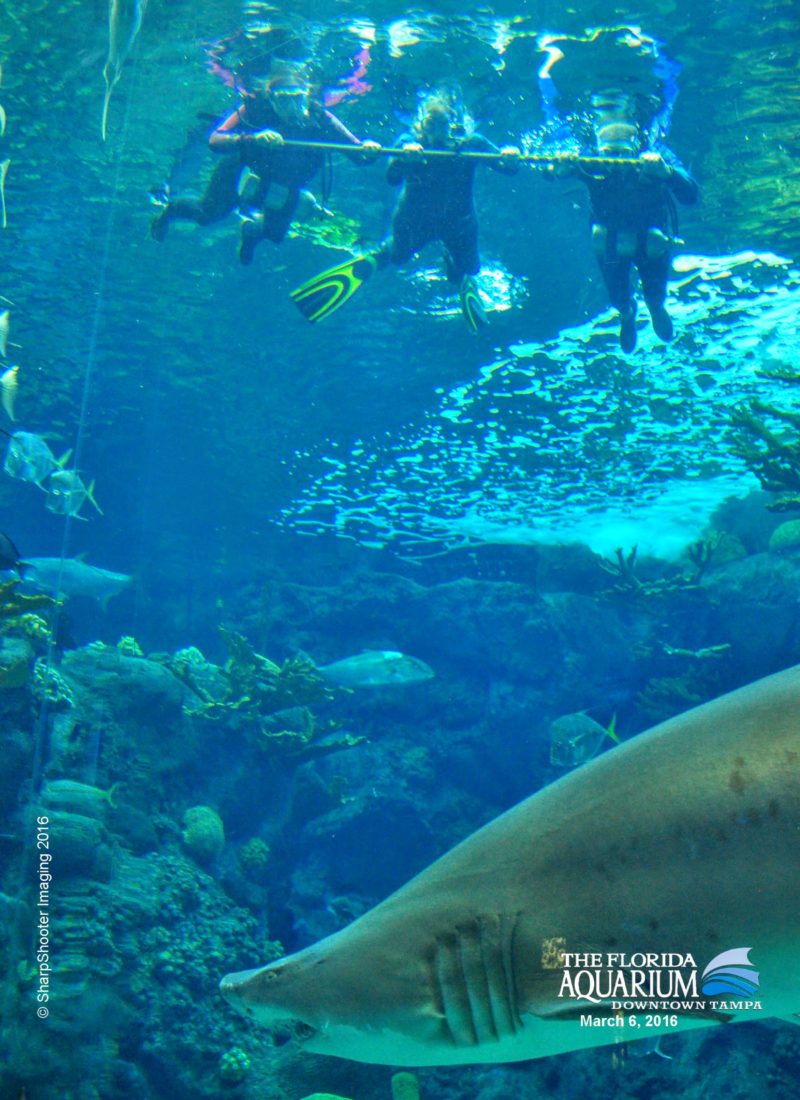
x=767, y=438
x=203, y=833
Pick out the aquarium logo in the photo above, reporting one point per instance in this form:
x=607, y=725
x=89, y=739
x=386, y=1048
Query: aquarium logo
x=731, y=974
x=655, y=982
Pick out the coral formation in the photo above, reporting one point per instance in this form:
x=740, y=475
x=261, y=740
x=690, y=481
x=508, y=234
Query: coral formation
x=405, y=1086
x=767, y=438
x=234, y=1066
x=203, y=833
x=786, y=537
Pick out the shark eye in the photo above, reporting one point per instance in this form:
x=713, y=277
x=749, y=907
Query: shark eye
x=303, y=1031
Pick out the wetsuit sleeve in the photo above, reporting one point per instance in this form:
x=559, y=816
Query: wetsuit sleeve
x=480, y=144
x=396, y=169
x=680, y=182
x=228, y=135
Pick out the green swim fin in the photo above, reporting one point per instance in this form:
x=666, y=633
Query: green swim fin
x=471, y=304
x=329, y=290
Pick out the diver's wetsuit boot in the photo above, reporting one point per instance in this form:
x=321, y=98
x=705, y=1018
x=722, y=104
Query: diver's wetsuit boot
x=662, y=323
x=159, y=226
x=627, y=329
x=252, y=232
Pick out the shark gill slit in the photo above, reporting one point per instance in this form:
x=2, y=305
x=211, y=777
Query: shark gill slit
x=451, y=985
x=476, y=981
x=502, y=998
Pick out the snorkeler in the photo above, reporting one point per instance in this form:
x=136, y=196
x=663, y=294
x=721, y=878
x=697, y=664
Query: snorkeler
x=436, y=204
x=634, y=218
x=280, y=108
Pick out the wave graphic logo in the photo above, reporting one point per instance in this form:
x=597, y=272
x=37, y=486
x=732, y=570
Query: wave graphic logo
x=731, y=974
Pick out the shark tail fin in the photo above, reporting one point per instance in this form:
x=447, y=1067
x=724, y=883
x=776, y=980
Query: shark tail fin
x=90, y=498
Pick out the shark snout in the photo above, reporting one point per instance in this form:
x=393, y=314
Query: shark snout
x=236, y=987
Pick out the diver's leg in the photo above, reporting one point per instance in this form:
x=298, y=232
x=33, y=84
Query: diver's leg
x=218, y=199
x=616, y=272
x=462, y=264
x=654, y=273
x=271, y=224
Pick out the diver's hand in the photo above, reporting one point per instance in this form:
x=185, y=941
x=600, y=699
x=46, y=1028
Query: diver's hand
x=654, y=166
x=413, y=149
x=369, y=150
x=268, y=137
x=509, y=156
x=560, y=168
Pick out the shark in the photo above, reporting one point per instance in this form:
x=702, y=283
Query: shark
x=684, y=839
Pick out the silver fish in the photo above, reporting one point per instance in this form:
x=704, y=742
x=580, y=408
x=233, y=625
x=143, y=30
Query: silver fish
x=683, y=839
x=30, y=459
x=576, y=738
x=376, y=668
x=79, y=798
x=67, y=494
x=73, y=577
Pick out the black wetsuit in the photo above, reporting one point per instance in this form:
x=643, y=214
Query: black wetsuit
x=282, y=173
x=626, y=202
x=437, y=204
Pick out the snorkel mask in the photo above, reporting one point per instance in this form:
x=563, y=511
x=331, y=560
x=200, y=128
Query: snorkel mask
x=614, y=125
x=290, y=98
x=441, y=119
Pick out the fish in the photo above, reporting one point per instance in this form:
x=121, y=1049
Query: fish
x=79, y=798
x=4, y=167
x=123, y=15
x=5, y=323
x=30, y=459
x=3, y=120
x=683, y=839
x=376, y=668
x=9, y=384
x=9, y=555
x=67, y=494
x=73, y=577
x=576, y=738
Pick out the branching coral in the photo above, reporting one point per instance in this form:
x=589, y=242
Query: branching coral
x=627, y=581
x=767, y=438
x=270, y=702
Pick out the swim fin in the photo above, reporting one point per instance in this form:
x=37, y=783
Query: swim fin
x=471, y=304
x=329, y=290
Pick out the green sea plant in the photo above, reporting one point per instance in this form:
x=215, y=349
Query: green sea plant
x=405, y=1086
x=786, y=537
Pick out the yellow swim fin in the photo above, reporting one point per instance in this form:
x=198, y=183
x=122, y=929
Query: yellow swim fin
x=471, y=304
x=329, y=290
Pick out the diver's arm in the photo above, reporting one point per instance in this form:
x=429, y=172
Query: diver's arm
x=396, y=168
x=228, y=135
x=335, y=130
x=683, y=186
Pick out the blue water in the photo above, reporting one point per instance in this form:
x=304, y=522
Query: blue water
x=551, y=525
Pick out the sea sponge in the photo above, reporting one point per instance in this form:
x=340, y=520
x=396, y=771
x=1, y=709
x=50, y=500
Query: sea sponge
x=786, y=537
x=405, y=1086
x=203, y=833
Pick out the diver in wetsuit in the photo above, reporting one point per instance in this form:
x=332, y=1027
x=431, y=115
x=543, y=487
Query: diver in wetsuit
x=634, y=218
x=436, y=204
x=252, y=138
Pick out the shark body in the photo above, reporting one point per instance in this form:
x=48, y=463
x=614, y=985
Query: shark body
x=684, y=839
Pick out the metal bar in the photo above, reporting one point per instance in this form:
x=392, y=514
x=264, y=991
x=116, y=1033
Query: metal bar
x=526, y=158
